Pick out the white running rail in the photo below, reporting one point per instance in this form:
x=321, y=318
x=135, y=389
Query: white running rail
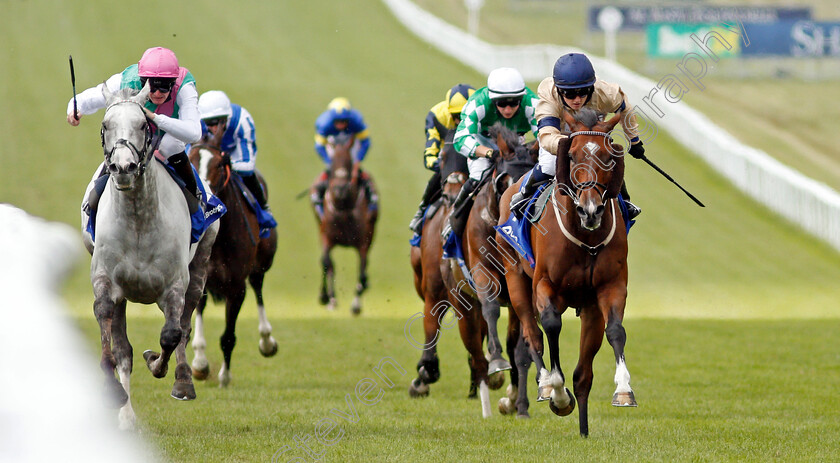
x=810, y=204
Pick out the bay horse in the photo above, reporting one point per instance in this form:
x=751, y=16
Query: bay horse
x=142, y=252
x=580, y=252
x=347, y=221
x=239, y=254
x=433, y=280
x=484, y=256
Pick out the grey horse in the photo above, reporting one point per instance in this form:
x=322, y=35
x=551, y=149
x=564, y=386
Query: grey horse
x=142, y=252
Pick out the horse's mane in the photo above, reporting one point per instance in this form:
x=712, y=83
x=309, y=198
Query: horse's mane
x=509, y=136
x=587, y=116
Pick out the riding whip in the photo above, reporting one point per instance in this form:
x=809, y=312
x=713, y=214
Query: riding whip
x=650, y=163
x=73, y=81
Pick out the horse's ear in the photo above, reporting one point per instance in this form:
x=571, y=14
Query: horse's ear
x=141, y=97
x=564, y=165
x=570, y=120
x=610, y=124
x=106, y=92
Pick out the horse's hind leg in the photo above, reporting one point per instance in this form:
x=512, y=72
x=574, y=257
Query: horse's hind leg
x=522, y=359
x=361, y=286
x=490, y=309
x=103, y=308
x=268, y=345
x=470, y=328
x=228, y=340
x=507, y=404
x=123, y=354
x=428, y=368
x=200, y=365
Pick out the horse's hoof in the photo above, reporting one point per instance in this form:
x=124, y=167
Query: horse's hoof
x=151, y=357
x=115, y=395
x=332, y=304
x=473, y=394
x=506, y=406
x=624, y=399
x=268, y=348
x=497, y=365
x=524, y=416
x=356, y=310
x=323, y=298
x=183, y=391
x=496, y=380
x=565, y=410
x=201, y=373
x=544, y=393
x=418, y=389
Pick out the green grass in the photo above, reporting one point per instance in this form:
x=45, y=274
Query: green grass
x=731, y=318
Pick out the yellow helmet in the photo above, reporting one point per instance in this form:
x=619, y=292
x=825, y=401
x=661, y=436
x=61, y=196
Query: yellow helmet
x=340, y=107
x=457, y=96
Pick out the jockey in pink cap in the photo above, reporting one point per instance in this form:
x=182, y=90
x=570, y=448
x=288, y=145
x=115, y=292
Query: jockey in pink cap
x=172, y=107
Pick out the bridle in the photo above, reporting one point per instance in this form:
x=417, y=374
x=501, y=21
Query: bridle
x=573, y=194
x=143, y=155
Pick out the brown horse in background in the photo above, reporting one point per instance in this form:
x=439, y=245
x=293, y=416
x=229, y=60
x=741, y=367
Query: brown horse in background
x=434, y=282
x=484, y=256
x=580, y=248
x=238, y=254
x=347, y=221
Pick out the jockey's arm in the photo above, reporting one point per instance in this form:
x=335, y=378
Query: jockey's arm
x=549, y=116
x=364, y=145
x=187, y=127
x=321, y=148
x=92, y=99
x=433, y=143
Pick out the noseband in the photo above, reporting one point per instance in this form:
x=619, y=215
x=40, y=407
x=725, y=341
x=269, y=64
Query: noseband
x=142, y=155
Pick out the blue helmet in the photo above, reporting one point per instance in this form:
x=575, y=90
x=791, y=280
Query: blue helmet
x=573, y=70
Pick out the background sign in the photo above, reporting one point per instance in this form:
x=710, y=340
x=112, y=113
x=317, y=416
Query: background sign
x=793, y=38
x=638, y=17
x=673, y=40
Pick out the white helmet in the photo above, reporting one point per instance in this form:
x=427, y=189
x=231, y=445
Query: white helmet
x=214, y=104
x=505, y=83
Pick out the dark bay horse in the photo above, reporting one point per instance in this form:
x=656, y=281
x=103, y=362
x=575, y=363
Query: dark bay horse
x=433, y=281
x=347, y=221
x=580, y=248
x=484, y=256
x=239, y=254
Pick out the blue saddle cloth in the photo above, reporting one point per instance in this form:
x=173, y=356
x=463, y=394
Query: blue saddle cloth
x=199, y=220
x=453, y=248
x=517, y=231
x=265, y=219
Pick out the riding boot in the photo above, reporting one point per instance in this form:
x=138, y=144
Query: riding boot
x=417, y=220
x=95, y=194
x=256, y=189
x=527, y=189
x=317, y=197
x=460, y=210
x=181, y=163
x=632, y=210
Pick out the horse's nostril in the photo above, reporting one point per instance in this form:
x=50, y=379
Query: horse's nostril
x=580, y=211
x=599, y=210
x=112, y=168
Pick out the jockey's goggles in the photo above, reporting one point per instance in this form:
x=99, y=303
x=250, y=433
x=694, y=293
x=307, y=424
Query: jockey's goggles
x=507, y=102
x=213, y=121
x=160, y=84
x=572, y=93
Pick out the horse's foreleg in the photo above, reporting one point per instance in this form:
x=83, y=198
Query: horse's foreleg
x=507, y=405
x=552, y=385
x=327, y=278
x=361, y=286
x=591, y=337
x=522, y=358
x=469, y=327
x=613, y=308
x=103, y=308
x=123, y=354
x=172, y=305
x=228, y=340
x=268, y=345
x=200, y=365
x=428, y=368
x=490, y=309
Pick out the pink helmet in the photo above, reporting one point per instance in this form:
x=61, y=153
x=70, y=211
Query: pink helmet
x=158, y=62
